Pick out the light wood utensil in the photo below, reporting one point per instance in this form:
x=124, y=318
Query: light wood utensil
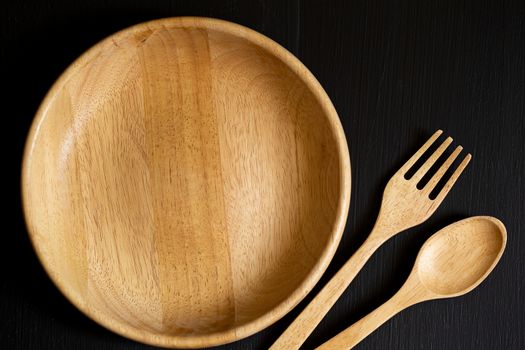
x=186, y=182
x=403, y=206
x=452, y=262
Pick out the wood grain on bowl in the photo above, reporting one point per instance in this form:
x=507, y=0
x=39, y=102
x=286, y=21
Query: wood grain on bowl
x=186, y=182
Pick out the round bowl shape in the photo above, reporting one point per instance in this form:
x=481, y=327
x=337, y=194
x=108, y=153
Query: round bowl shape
x=186, y=182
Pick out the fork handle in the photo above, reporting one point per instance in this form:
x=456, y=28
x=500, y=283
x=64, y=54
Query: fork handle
x=295, y=335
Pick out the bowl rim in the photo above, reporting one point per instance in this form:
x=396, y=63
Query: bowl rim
x=271, y=316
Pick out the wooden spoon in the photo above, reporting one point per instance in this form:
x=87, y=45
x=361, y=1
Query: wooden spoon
x=451, y=263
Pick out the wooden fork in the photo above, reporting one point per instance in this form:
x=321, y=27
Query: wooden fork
x=403, y=206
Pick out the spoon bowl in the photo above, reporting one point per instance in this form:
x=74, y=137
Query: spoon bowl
x=459, y=257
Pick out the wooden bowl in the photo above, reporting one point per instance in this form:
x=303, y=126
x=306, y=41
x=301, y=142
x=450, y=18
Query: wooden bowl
x=186, y=182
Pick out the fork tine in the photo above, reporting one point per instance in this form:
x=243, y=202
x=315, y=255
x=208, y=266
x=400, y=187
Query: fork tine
x=442, y=170
x=444, y=191
x=420, y=152
x=432, y=159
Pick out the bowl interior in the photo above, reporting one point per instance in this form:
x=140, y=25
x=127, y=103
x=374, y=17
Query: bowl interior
x=183, y=180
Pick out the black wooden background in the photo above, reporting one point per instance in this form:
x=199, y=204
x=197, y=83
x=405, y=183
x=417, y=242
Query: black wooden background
x=396, y=71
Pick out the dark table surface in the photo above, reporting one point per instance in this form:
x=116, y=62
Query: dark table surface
x=395, y=70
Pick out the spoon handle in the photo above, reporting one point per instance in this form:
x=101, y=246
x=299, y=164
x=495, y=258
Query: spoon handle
x=351, y=336
x=295, y=335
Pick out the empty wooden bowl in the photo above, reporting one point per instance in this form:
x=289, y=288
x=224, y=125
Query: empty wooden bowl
x=186, y=182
